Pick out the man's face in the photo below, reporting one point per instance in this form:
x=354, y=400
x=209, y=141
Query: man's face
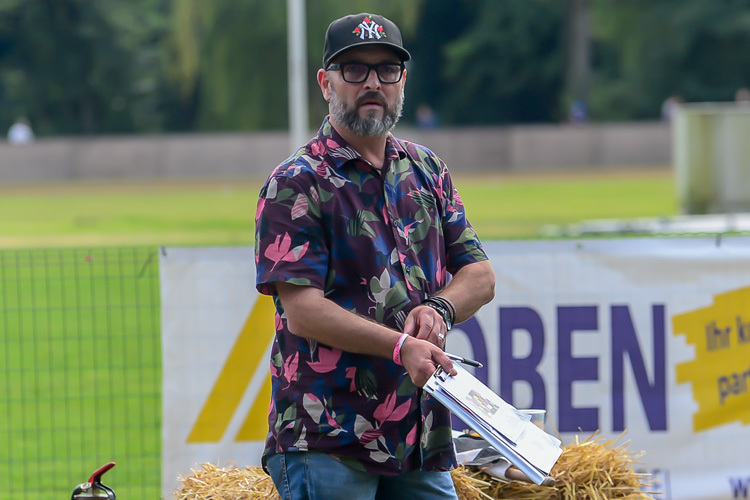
x=369, y=108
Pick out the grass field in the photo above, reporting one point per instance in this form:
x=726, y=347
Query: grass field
x=221, y=212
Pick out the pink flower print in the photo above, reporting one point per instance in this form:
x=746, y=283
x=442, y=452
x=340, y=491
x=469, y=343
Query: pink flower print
x=282, y=251
x=405, y=233
x=314, y=195
x=317, y=148
x=300, y=207
x=327, y=359
x=411, y=438
x=370, y=435
x=457, y=197
x=351, y=372
x=386, y=216
x=290, y=368
x=387, y=410
x=441, y=274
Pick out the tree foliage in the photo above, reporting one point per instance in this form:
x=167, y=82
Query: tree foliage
x=648, y=50
x=80, y=66
x=229, y=57
x=507, y=66
x=109, y=66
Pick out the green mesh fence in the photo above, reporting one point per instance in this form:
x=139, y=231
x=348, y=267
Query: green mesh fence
x=80, y=359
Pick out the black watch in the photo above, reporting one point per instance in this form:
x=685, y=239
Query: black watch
x=441, y=309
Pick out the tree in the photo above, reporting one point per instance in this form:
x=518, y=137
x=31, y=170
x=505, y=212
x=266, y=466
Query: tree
x=229, y=58
x=647, y=50
x=77, y=66
x=507, y=66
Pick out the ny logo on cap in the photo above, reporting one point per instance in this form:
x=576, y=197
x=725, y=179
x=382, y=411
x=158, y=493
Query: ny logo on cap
x=370, y=28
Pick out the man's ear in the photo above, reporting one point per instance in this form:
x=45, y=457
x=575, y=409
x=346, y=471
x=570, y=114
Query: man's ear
x=325, y=84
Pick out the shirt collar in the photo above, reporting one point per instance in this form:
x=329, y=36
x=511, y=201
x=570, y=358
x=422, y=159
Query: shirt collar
x=341, y=152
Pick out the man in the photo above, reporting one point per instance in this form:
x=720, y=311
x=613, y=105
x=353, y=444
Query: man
x=355, y=236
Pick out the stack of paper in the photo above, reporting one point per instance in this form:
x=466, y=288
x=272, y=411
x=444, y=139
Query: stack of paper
x=510, y=431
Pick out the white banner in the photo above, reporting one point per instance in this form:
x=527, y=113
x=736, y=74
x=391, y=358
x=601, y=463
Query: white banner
x=644, y=338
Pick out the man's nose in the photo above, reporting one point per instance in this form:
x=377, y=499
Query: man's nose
x=372, y=81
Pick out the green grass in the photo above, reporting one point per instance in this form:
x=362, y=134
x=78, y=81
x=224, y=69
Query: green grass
x=214, y=212
x=519, y=207
x=80, y=371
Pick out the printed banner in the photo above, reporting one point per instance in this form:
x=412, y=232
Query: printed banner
x=643, y=340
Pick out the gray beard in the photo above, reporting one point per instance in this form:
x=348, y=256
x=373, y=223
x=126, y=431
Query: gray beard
x=369, y=126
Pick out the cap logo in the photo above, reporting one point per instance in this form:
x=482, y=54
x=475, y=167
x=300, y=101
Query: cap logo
x=369, y=28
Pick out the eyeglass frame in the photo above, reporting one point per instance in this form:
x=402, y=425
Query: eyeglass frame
x=370, y=68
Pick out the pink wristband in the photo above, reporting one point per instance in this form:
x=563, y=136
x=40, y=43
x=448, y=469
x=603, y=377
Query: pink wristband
x=397, y=349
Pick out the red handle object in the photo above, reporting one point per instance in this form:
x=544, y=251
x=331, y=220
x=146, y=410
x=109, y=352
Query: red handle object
x=94, y=485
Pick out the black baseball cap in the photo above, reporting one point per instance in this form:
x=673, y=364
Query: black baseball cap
x=362, y=29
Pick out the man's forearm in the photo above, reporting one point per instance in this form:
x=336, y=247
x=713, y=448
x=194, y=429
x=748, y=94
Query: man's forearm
x=311, y=315
x=471, y=287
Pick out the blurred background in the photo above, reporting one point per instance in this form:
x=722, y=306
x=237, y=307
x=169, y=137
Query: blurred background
x=85, y=67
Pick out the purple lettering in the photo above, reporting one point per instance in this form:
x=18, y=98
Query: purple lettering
x=625, y=342
x=570, y=369
x=513, y=369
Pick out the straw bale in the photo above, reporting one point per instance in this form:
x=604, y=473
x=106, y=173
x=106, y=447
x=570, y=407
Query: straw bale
x=593, y=469
x=211, y=482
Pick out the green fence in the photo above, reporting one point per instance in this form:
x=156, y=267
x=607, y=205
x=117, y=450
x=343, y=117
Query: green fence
x=80, y=371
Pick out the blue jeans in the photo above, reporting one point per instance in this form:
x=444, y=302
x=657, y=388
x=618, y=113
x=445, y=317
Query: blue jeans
x=318, y=476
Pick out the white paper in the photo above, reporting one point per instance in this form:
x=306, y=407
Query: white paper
x=485, y=404
x=501, y=424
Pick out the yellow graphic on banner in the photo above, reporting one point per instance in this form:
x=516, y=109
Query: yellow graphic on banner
x=248, y=352
x=720, y=372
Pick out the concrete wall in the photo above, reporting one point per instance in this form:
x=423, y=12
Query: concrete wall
x=490, y=149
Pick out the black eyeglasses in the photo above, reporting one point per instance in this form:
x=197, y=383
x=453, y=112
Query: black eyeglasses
x=355, y=72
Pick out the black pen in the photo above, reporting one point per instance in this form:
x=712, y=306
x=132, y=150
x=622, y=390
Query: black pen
x=466, y=361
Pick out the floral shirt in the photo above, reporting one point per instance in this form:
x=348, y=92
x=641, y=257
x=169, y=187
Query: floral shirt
x=377, y=245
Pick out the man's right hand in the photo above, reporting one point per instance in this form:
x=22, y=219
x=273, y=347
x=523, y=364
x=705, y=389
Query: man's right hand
x=421, y=358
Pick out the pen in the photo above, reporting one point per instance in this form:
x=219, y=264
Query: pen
x=466, y=361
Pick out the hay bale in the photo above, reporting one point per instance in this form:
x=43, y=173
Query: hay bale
x=226, y=483
x=590, y=470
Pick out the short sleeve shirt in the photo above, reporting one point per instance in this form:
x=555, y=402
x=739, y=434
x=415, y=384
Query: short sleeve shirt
x=377, y=243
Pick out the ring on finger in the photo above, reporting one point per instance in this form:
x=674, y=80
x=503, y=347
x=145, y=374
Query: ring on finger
x=441, y=336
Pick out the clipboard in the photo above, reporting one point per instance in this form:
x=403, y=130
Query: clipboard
x=529, y=448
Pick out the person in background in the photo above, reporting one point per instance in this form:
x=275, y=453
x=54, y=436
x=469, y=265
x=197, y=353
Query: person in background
x=20, y=132
x=670, y=106
x=577, y=113
x=426, y=117
x=364, y=244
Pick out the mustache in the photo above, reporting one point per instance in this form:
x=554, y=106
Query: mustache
x=372, y=96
